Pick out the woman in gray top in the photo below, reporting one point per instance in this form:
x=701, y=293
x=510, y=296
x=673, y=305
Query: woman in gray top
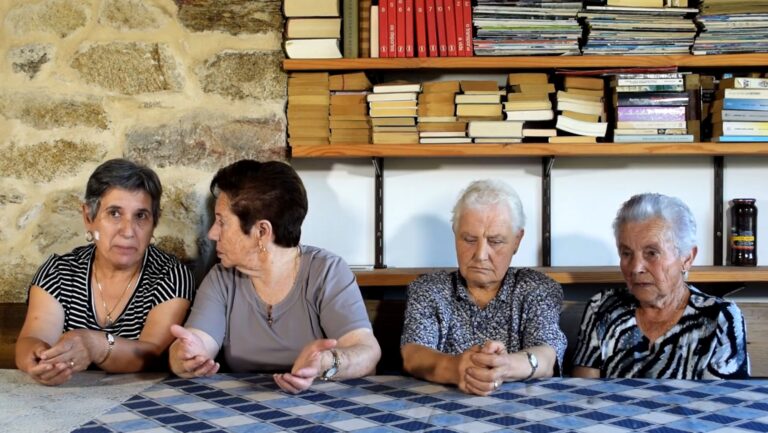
x=272, y=304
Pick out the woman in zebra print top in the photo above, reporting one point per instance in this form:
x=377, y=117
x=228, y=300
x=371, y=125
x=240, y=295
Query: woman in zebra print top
x=659, y=326
x=111, y=303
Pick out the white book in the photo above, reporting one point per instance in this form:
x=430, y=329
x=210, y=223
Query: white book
x=746, y=93
x=374, y=32
x=580, y=127
x=530, y=115
x=442, y=134
x=312, y=49
x=397, y=87
x=586, y=107
x=311, y=8
x=494, y=128
x=399, y=96
x=497, y=140
x=445, y=140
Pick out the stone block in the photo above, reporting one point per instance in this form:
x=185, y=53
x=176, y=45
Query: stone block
x=44, y=112
x=233, y=16
x=128, y=68
x=28, y=59
x=241, y=75
x=60, y=17
x=47, y=161
x=129, y=15
x=15, y=279
x=205, y=143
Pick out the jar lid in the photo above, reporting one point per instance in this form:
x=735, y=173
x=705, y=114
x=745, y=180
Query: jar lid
x=744, y=200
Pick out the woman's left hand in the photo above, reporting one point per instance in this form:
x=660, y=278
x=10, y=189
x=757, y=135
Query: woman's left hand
x=306, y=367
x=491, y=361
x=72, y=351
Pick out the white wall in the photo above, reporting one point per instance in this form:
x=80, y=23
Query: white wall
x=586, y=192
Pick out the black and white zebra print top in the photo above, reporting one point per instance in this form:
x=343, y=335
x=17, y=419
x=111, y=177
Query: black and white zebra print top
x=67, y=278
x=709, y=341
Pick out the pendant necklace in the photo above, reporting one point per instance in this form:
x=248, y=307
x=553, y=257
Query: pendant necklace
x=108, y=311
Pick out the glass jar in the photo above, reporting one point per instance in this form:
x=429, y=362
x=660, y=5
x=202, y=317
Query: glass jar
x=743, y=239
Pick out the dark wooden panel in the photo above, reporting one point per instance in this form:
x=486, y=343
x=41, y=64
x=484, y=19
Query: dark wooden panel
x=11, y=319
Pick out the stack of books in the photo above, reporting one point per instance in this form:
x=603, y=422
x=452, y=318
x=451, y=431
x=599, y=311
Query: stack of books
x=515, y=28
x=639, y=27
x=479, y=104
x=652, y=107
x=349, y=119
x=437, y=109
x=582, y=110
x=308, y=102
x=422, y=28
x=733, y=26
x=393, y=111
x=740, y=110
x=529, y=101
x=312, y=29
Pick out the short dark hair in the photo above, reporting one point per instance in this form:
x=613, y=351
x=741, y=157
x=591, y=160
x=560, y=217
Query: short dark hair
x=269, y=190
x=125, y=174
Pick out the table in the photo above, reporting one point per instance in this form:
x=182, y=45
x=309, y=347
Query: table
x=253, y=403
x=26, y=406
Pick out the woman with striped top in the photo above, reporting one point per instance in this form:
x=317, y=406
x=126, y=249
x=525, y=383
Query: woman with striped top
x=110, y=303
x=659, y=326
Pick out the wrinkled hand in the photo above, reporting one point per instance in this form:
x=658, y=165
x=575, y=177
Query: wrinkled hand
x=490, y=364
x=191, y=354
x=306, y=367
x=47, y=373
x=69, y=355
x=465, y=363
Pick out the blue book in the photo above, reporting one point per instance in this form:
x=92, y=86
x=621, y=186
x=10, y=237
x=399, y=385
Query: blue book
x=742, y=138
x=745, y=104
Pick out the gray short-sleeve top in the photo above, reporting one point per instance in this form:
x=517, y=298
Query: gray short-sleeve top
x=325, y=302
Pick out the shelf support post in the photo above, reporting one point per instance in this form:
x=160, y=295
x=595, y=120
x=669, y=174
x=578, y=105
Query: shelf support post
x=546, y=210
x=717, y=239
x=378, y=213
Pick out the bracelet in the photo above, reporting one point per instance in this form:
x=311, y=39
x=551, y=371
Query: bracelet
x=110, y=344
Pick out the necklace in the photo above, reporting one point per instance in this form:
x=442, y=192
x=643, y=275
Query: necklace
x=295, y=274
x=109, y=311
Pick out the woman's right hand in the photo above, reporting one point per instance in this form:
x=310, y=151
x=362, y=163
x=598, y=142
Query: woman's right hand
x=189, y=356
x=46, y=373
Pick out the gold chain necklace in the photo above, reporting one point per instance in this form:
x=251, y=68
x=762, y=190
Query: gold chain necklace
x=108, y=311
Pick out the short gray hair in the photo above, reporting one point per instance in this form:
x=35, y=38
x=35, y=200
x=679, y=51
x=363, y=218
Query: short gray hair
x=672, y=210
x=124, y=174
x=490, y=192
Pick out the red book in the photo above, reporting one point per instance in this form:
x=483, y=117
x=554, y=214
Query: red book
x=421, y=28
x=442, y=41
x=409, y=22
x=400, y=28
x=392, y=25
x=431, y=28
x=383, y=30
x=458, y=9
x=450, y=27
x=468, y=43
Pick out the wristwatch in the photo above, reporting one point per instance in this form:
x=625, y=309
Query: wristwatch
x=533, y=362
x=331, y=372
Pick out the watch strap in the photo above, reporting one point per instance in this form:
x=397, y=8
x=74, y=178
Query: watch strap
x=533, y=362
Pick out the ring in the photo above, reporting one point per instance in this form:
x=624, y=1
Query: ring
x=495, y=384
x=71, y=364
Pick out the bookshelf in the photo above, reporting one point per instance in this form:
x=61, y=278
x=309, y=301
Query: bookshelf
x=548, y=152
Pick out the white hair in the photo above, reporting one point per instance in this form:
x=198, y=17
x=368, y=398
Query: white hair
x=487, y=192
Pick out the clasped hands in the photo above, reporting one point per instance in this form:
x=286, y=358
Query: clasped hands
x=54, y=365
x=482, y=368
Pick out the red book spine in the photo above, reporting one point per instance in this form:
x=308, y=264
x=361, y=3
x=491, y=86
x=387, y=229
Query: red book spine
x=400, y=28
x=458, y=9
x=421, y=28
x=383, y=30
x=431, y=28
x=392, y=24
x=409, y=22
x=450, y=27
x=468, y=43
x=442, y=41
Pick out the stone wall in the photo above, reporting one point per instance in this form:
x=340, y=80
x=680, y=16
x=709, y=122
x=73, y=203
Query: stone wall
x=185, y=87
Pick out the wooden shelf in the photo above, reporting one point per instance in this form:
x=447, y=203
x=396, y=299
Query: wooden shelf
x=575, y=275
x=530, y=62
x=527, y=149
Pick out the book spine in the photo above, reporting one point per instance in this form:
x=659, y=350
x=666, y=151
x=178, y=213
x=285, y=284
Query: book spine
x=392, y=25
x=432, y=40
x=383, y=29
x=745, y=104
x=442, y=42
x=746, y=93
x=744, y=116
x=374, y=32
x=450, y=26
x=651, y=88
x=409, y=24
x=657, y=124
x=421, y=28
x=468, y=47
x=350, y=22
x=652, y=98
x=458, y=9
x=400, y=28
x=750, y=83
x=646, y=114
x=745, y=128
x=681, y=138
x=364, y=33
x=742, y=138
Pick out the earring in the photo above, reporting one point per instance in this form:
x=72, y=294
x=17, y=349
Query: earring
x=152, y=240
x=89, y=237
x=262, y=250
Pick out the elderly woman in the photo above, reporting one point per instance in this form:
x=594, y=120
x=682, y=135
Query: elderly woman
x=110, y=303
x=659, y=326
x=487, y=322
x=272, y=304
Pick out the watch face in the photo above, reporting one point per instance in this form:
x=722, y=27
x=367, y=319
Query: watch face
x=533, y=360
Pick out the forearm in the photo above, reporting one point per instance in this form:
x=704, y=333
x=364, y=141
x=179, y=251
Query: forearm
x=429, y=364
x=521, y=367
x=357, y=360
x=126, y=356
